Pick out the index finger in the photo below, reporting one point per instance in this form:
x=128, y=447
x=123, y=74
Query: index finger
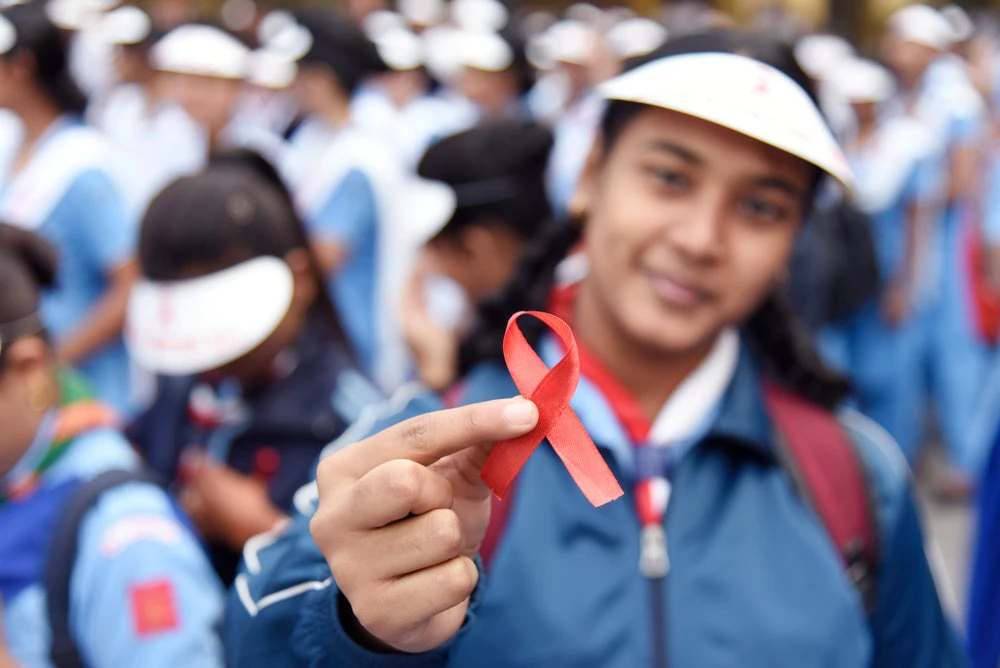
x=432, y=436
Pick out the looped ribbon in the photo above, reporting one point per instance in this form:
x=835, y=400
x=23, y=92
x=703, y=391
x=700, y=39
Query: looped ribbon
x=551, y=391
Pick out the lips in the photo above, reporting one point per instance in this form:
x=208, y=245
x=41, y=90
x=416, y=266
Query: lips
x=677, y=293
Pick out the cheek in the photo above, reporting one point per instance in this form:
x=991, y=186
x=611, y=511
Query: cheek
x=757, y=261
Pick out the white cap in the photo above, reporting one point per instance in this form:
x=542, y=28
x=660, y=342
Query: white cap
x=922, y=24
x=201, y=50
x=441, y=51
x=483, y=50
x=433, y=204
x=272, y=23
x=636, y=37
x=77, y=14
x=125, y=25
x=570, y=41
x=961, y=25
x=739, y=93
x=8, y=35
x=293, y=40
x=817, y=54
x=480, y=14
x=401, y=50
x=191, y=326
x=383, y=21
x=422, y=13
x=271, y=69
x=859, y=80
x=586, y=12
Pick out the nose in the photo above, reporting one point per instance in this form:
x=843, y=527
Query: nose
x=699, y=233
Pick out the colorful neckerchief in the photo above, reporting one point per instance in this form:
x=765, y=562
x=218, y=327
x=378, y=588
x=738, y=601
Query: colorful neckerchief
x=78, y=412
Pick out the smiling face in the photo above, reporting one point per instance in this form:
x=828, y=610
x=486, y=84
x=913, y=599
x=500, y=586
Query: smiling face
x=689, y=226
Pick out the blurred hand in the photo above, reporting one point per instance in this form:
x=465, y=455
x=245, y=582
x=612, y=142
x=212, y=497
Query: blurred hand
x=402, y=515
x=434, y=347
x=896, y=305
x=225, y=505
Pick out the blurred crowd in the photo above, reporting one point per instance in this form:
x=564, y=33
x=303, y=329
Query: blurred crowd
x=229, y=240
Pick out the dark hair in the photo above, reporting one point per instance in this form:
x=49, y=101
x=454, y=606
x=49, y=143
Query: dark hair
x=36, y=34
x=782, y=347
x=28, y=266
x=341, y=44
x=497, y=170
x=237, y=209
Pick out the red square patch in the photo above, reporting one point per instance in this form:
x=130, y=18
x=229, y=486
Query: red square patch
x=153, y=609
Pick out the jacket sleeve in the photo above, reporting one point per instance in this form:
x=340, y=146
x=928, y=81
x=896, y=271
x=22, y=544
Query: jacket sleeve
x=142, y=591
x=285, y=606
x=909, y=625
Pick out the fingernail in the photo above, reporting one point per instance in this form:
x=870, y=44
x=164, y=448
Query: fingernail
x=520, y=413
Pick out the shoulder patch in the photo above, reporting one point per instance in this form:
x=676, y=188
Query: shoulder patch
x=153, y=607
x=128, y=531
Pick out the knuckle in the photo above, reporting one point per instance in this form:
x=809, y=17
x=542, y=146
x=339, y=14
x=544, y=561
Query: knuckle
x=417, y=433
x=475, y=420
x=402, y=479
x=446, y=530
x=458, y=578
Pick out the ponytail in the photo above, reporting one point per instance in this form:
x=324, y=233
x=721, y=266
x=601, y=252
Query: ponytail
x=784, y=348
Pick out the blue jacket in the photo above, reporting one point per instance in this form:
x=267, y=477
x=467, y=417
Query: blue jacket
x=295, y=417
x=142, y=592
x=754, y=579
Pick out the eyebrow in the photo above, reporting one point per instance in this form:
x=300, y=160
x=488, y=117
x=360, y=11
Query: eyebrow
x=780, y=184
x=681, y=152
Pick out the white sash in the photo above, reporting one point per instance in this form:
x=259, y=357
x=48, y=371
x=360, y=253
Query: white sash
x=34, y=192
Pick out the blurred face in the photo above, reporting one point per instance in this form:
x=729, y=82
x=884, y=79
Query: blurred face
x=908, y=60
x=27, y=390
x=865, y=112
x=130, y=67
x=16, y=77
x=490, y=91
x=208, y=100
x=689, y=226
x=317, y=89
x=402, y=87
x=480, y=258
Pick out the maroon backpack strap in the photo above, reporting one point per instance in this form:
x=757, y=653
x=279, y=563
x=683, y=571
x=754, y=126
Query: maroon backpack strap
x=825, y=466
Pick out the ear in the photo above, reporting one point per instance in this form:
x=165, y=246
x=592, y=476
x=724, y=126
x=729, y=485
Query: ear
x=586, y=186
x=303, y=276
x=27, y=357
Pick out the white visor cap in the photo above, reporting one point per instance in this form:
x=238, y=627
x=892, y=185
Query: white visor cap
x=271, y=69
x=480, y=14
x=922, y=24
x=570, y=41
x=819, y=54
x=860, y=80
x=401, y=50
x=203, y=51
x=483, y=50
x=739, y=93
x=125, y=25
x=186, y=327
x=631, y=38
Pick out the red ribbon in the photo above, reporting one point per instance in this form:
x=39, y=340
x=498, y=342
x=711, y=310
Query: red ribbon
x=550, y=390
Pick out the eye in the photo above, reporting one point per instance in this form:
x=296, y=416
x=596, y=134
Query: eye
x=763, y=210
x=671, y=178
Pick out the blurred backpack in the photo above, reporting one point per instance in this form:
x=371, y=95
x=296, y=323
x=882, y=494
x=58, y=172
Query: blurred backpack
x=834, y=267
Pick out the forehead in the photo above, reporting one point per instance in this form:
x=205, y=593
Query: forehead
x=716, y=147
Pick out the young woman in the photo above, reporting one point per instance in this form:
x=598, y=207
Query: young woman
x=704, y=172
x=497, y=172
x=138, y=589
x=257, y=375
x=59, y=186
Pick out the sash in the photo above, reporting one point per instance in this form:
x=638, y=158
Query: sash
x=34, y=192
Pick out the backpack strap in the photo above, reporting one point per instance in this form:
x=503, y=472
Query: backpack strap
x=826, y=468
x=61, y=557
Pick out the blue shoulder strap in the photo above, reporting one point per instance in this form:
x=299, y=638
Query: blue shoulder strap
x=61, y=557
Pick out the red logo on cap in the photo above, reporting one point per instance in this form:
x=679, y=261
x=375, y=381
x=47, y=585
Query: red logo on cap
x=763, y=86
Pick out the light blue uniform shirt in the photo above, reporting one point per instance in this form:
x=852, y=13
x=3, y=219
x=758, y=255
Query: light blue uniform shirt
x=130, y=542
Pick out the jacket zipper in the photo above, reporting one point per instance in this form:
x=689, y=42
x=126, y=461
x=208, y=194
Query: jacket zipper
x=654, y=564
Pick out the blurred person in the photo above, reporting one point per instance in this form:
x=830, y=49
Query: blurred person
x=60, y=185
x=819, y=55
x=256, y=373
x=97, y=565
x=352, y=190
x=885, y=340
x=398, y=105
x=935, y=89
x=690, y=213
x=267, y=110
x=496, y=170
x=493, y=73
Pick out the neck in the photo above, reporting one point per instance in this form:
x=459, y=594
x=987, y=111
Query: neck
x=37, y=116
x=651, y=375
x=337, y=114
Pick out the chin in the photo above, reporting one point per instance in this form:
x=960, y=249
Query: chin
x=672, y=334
